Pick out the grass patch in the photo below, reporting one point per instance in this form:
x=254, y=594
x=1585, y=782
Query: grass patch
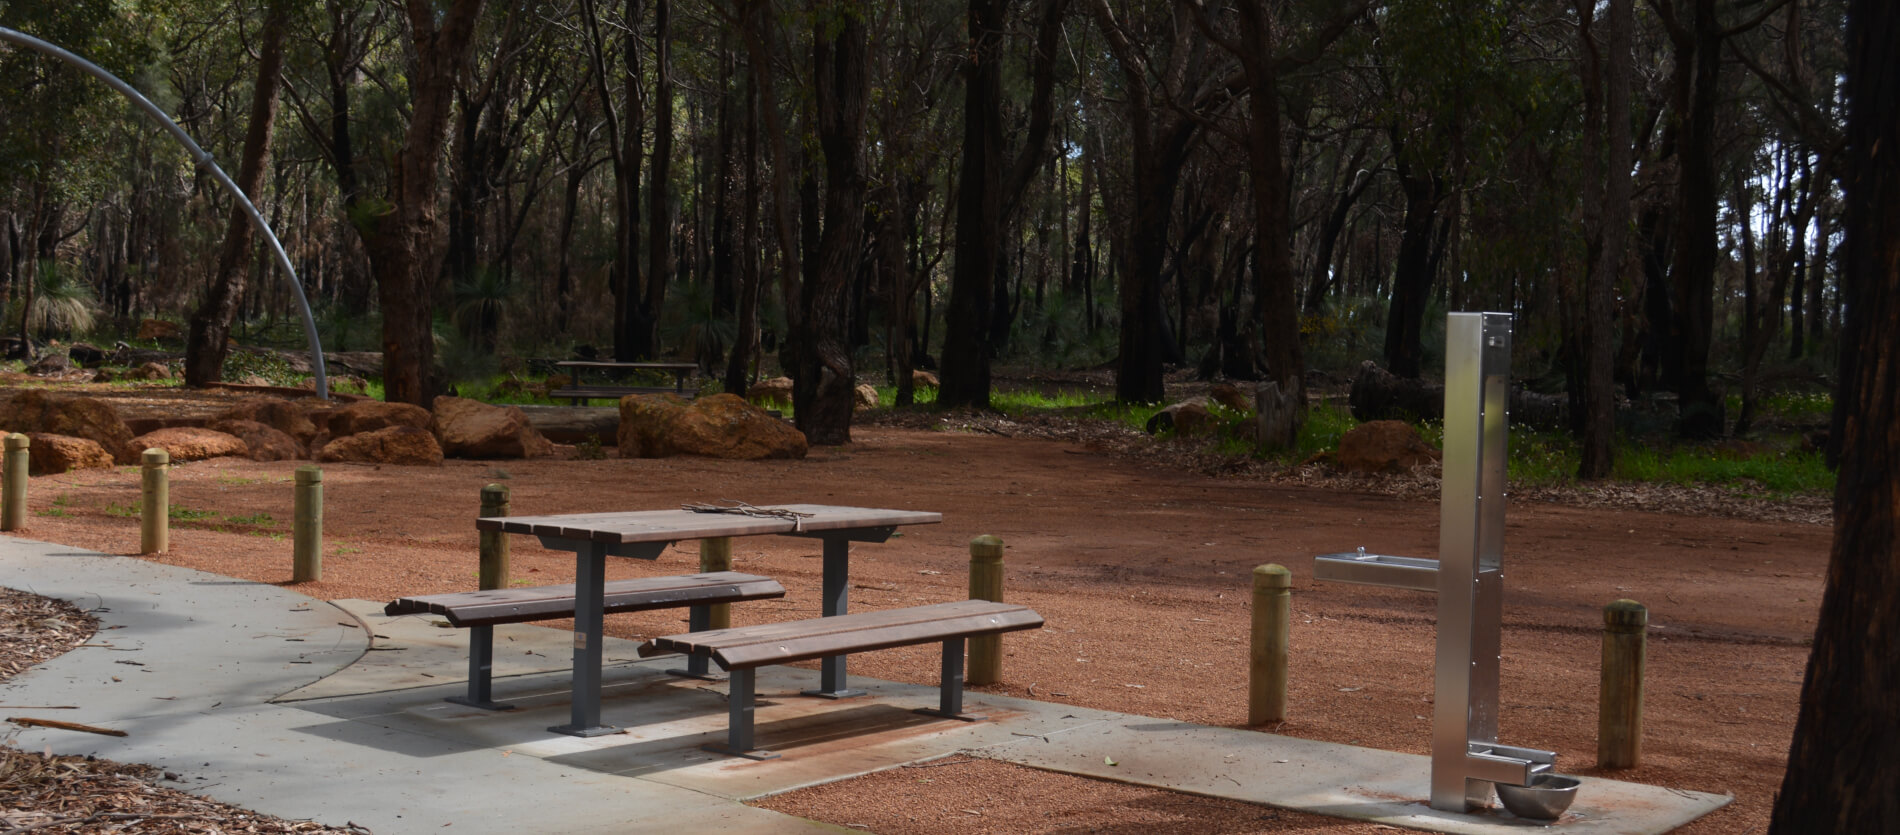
x=1770, y=473
x=256, y=520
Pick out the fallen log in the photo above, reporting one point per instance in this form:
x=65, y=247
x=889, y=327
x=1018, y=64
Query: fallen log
x=575, y=424
x=1378, y=394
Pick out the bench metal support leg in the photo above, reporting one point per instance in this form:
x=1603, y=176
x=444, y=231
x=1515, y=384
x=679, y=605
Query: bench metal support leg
x=590, y=579
x=698, y=619
x=740, y=705
x=835, y=601
x=481, y=669
x=950, y=688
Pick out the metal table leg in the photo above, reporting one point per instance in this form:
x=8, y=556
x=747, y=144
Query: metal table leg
x=835, y=601
x=590, y=579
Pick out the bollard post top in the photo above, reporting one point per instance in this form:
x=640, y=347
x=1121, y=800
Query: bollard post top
x=309, y=474
x=16, y=440
x=155, y=457
x=986, y=548
x=1272, y=576
x=1626, y=616
x=498, y=490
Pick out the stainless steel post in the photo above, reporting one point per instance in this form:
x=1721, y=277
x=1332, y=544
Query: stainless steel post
x=1468, y=574
x=1470, y=544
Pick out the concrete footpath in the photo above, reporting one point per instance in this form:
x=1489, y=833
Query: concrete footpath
x=330, y=711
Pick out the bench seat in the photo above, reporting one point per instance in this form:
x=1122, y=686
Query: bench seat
x=741, y=650
x=481, y=611
x=581, y=394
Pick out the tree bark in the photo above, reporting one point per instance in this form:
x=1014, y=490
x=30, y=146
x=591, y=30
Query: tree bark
x=1276, y=305
x=1842, y=775
x=210, y=327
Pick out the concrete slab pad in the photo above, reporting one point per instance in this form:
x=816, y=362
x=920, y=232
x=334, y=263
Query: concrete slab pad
x=1329, y=779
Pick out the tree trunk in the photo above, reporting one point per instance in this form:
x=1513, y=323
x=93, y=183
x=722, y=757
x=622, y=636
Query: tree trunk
x=1692, y=266
x=1414, y=272
x=823, y=377
x=1276, y=304
x=990, y=187
x=1607, y=227
x=1842, y=775
x=210, y=327
x=659, y=192
x=403, y=243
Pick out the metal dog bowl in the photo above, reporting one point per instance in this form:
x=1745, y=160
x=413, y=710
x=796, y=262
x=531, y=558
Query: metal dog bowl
x=1545, y=798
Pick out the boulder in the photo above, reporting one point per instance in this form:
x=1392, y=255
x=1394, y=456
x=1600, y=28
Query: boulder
x=191, y=443
x=473, y=429
x=159, y=329
x=864, y=396
x=49, y=454
x=388, y=445
x=149, y=371
x=282, y=415
x=1384, y=446
x=1231, y=396
x=921, y=379
x=371, y=415
x=724, y=426
x=1188, y=417
x=265, y=443
x=52, y=365
x=34, y=410
x=646, y=421
x=86, y=354
x=774, y=392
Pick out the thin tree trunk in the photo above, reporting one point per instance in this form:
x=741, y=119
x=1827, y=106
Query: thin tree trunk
x=659, y=192
x=210, y=328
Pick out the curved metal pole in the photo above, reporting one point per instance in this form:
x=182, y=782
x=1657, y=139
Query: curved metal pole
x=205, y=163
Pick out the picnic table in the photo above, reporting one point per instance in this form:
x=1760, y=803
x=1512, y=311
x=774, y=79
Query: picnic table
x=580, y=392
x=644, y=534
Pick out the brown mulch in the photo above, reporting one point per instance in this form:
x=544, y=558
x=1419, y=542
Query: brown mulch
x=43, y=792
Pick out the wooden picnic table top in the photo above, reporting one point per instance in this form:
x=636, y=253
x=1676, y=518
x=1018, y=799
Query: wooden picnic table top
x=672, y=525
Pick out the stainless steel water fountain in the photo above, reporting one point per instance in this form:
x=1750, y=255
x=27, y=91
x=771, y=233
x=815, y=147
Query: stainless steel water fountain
x=1468, y=576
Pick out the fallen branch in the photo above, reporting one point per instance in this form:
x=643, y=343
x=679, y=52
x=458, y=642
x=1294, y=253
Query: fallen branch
x=64, y=726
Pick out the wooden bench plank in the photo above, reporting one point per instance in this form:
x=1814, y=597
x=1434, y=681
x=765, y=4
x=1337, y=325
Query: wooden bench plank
x=481, y=611
x=779, y=643
x=517, y=605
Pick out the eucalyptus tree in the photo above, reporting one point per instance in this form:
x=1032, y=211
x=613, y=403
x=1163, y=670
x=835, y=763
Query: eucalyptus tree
x=1606, y=65
x=623, y=114
x=208, y=336
x=1172, y=81
x=990, y=189
x=403, y=239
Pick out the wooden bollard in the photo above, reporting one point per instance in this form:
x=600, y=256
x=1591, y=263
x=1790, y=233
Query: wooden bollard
x=495, y=558
x=13, y=483
x=986, y=583
x=715, y=554
x=155, y=509
x=306, y=563
x=1620, y=698
x=1266, y=662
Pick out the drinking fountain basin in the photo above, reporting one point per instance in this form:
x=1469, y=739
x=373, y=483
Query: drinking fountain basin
x=1545, y=798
